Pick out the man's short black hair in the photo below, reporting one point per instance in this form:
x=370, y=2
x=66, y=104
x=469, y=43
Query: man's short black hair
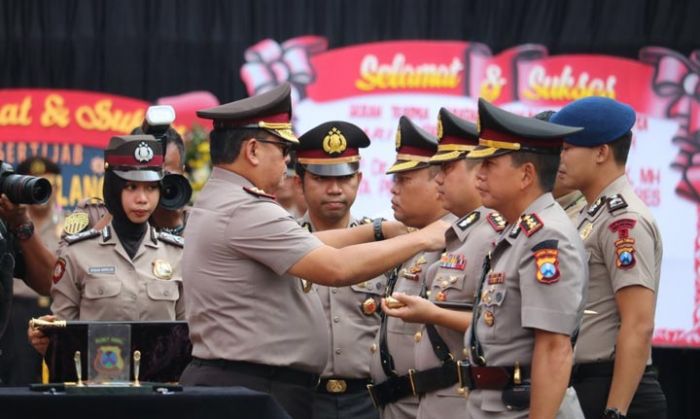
x=546, y=166
x=225, y=143
x=621, y=148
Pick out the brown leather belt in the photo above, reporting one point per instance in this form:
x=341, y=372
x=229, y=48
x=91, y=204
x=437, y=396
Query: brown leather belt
x=491, y=378
x=336, y=385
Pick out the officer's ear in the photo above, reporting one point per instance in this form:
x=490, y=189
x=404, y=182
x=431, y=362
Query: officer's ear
x=603, y=153
x=250, y=151
x=528, y=175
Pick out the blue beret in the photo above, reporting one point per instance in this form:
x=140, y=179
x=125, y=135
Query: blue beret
x=603, y=120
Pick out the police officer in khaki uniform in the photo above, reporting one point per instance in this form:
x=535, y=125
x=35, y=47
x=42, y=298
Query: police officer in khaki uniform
x=571, y=200
x=416, y=203
x=329, y=175
x=253, y=323
x=530, y=299
x=126, y=271
x=613, y=375
x=455, y=279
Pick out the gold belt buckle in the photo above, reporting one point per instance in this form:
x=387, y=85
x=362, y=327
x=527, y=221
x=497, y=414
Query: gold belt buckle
x=336, y=386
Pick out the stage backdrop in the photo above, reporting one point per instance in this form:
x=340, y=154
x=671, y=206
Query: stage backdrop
x=372, y=85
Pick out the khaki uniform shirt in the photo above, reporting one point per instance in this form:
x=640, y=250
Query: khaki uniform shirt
x=455, y=280
x=401, y=336
x=49, y=233
x=352, y=316
x=537, y=281
x=624, y=246
x=242, y=305
x=95, y=279
x=572, y=203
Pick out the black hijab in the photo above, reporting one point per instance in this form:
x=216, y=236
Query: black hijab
x=130, y=235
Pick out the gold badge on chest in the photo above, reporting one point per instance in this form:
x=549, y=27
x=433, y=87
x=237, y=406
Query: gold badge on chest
x=162, y=269
x=586, y=230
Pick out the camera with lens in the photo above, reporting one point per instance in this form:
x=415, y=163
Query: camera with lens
x=177, y=190
x=23, y=189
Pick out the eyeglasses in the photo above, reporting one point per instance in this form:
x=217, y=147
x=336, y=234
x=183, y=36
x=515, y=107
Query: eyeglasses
x=285, y=148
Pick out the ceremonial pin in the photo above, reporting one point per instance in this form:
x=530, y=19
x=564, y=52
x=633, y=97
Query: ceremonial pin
x=137, y=367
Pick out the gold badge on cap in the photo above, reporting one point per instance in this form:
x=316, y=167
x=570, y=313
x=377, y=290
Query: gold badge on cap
x=369, y=306
x=162, y=269
x=37, y=168
x=334, y=142
x=76, y=222
x=398, y=139
x=439, y=127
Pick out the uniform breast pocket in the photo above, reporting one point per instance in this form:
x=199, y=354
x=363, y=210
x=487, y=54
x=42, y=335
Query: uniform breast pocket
x=491, y=308
x=163, y=290
x=97, y=288
x=368, y=295
x=449, y=286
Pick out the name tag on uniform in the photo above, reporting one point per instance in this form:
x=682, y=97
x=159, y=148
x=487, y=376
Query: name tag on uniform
x=101, y=269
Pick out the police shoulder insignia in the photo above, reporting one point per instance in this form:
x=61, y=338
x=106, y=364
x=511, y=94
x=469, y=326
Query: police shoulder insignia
x=171, y=239
x=258, y=192
x=58, y=270
x=497, y=221
x=76, y=222
x=593, y=209
x=547, y=261
x=468, y=220
x=624, y=245
x=530, y=224
x=75, y=238
x=616, y=202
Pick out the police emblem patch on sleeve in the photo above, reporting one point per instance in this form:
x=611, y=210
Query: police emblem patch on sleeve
x=624, y=245
x=547, y=261
x=58, y=270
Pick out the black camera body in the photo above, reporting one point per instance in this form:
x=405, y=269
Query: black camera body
x=23, y=189
x=177, y=190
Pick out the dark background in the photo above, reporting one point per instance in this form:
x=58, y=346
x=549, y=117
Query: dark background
x=150, y=49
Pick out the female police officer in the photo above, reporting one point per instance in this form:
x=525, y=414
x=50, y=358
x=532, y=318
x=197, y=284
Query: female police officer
x=126, y=271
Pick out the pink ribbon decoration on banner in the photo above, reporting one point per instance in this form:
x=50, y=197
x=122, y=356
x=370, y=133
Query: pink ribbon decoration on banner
x=269, y=64
x=677, y=79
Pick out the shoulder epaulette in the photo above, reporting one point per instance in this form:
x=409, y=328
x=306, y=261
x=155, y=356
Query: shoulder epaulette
x=497, y=221
x=468, y=220
x=616, y=202
x=171, y=239
x=307, y=226
x=530, y=224
x=596, y=206
x=258, y=192
x=83, y=235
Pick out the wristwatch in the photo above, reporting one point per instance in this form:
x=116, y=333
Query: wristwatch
x=612, y=413
x=24, y=230
x=378, y=233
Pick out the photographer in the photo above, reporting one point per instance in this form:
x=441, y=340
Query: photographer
x=17, y=244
